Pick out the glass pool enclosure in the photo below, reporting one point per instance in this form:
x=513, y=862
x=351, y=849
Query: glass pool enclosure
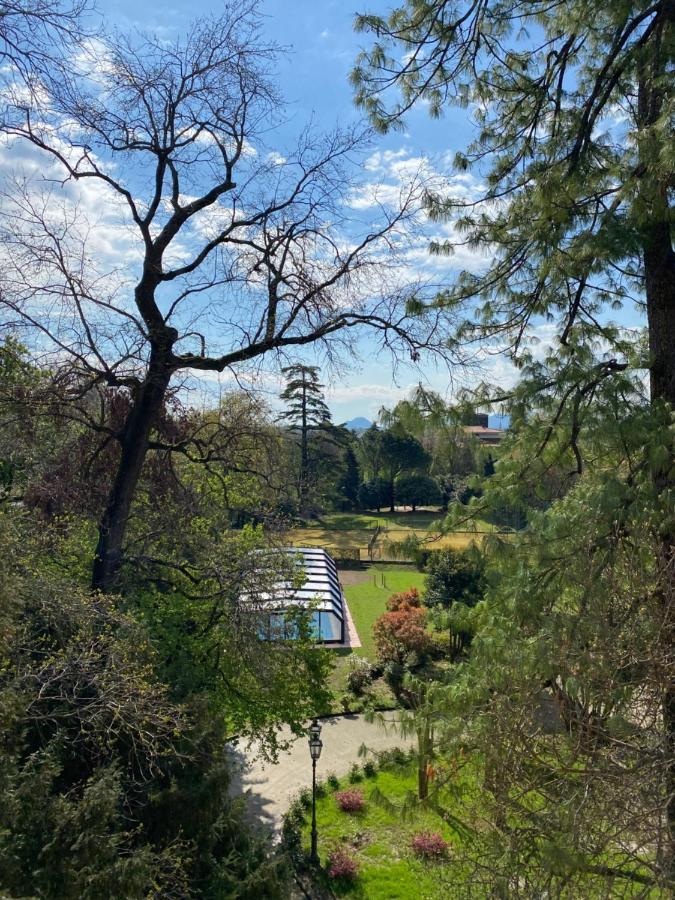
x=320, y=589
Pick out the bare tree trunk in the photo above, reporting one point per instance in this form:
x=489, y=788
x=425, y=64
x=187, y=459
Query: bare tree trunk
x=146, y=408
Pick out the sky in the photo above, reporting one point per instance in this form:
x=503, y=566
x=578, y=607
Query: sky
x=319, y=47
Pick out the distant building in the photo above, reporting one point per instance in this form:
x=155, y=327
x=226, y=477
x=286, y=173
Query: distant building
x=320, y=589
x=479, y=428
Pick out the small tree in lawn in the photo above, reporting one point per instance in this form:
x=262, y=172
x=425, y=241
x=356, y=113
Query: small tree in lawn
x=424, y=719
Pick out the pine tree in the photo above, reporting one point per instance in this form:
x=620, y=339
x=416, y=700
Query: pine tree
x=307, y=412
x=574, y=162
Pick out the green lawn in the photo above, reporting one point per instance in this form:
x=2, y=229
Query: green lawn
x=379, y=838
x=366, y=602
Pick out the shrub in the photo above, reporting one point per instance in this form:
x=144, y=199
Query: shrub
x=350, y=801
x=342, y=865
x=321, y=790
x=394, y=673
x=355, y=773
x=369, y=769
x=305, y=798
x=401, y=632
x=404, y=600
x=450, y=644
x=429, y=844
x=360, y=674
x=332, y=781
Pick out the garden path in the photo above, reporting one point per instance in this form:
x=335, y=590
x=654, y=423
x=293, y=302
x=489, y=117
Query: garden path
x=269, y=788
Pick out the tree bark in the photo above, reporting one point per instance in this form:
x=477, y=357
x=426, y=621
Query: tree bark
x=146, y=408
x=659, y=268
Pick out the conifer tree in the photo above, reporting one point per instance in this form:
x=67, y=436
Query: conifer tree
x=307, y=412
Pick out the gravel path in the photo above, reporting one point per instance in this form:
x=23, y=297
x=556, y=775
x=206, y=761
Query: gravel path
x=270, y=788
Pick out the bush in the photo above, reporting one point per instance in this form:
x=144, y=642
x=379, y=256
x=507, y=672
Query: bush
x=360, y=674
x=394, y=673
x=369, y=769
x=342, y=865
x=404, y=601
x=350, y=703
x=355, y=773
x=402, y=632
x=332, y=781
x=450, y=644
x=429, y=844
x=305, y=798
x=350, y=801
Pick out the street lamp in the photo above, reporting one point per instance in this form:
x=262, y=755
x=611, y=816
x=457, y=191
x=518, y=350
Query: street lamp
x=315, y=745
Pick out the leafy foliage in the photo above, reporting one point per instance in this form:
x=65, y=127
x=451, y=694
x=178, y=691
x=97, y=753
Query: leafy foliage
x=454, y=577
x=111, y=788
x=398, y=634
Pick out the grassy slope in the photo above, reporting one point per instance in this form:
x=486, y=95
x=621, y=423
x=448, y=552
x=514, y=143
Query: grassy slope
x=379, y=838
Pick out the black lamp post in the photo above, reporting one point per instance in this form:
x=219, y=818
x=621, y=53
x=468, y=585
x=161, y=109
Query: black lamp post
x=315, y=745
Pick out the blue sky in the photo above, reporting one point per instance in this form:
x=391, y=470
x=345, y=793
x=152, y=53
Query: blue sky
x=312, y=71
x=313, y=77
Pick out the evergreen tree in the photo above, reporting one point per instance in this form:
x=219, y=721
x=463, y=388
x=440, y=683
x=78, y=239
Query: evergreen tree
x=575, y=165
x=306, y=413
x=400, y=453
x=351, y=479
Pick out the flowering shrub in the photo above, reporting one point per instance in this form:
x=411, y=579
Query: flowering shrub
x=351, y=800
x=342, y=865
x=429, y=844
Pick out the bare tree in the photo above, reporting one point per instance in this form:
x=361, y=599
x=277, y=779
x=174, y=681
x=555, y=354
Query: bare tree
x=36, y=34
x=230, y=250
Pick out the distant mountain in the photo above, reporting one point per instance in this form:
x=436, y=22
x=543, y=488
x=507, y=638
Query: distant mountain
x=358, y=424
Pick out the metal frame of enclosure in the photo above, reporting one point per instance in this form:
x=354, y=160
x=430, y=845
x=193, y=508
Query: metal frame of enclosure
x=321, y=589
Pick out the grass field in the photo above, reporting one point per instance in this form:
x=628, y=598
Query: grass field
x=354, y=531
x=379, y=839
x=367, y=601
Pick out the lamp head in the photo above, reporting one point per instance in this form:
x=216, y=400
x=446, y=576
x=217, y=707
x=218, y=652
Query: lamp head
x=315, y=742
x=314, y=730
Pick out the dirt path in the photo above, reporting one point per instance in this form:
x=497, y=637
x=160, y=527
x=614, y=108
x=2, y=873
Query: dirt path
x=354, y=576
